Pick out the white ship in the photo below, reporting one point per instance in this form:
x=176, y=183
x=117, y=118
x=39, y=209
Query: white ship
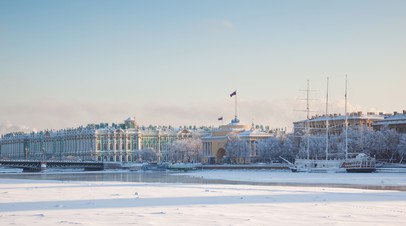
x=362, y=163
x=316, y=165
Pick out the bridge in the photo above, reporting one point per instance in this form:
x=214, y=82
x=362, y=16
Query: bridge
x=40, y=165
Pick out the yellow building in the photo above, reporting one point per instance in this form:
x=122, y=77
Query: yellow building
x=214, y=145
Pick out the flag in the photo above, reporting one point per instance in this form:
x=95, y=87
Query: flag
x=220, y=119
x=233, y=93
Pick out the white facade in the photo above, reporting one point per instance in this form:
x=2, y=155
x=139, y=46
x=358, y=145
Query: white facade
x=93, y=142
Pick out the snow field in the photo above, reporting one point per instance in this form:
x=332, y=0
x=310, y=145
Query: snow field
x=379, y=179
x=28, y=202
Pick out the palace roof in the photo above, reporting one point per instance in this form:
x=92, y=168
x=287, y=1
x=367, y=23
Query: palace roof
x=392, y=120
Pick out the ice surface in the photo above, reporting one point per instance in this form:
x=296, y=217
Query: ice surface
x=389, y=179
x=29, y=202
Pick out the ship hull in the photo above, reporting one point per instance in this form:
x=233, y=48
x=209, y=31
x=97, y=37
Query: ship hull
x=360, y=164
x=360, y=170
x=316, y=166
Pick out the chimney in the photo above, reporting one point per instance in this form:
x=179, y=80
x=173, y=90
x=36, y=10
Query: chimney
x=395, y=113
x=359, y=113
x=380, y=113
x=404, y=112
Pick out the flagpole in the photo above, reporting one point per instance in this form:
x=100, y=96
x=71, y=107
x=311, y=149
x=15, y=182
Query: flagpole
x=236, y=104
x=235, y=120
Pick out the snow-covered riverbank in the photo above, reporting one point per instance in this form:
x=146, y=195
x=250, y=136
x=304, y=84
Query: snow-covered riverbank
x=28, y=202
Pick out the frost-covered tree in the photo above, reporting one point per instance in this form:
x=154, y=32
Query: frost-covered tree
x=273, y=147
x=401, y=148
x=237, y=150
x=146, y=155
x=361, y=139
x=289, y=147
x=268, y=148
x=185, y=150
x=382, y=144
x=391, y=141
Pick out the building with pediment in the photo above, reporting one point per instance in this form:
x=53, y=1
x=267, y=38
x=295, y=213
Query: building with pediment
x=214, y=145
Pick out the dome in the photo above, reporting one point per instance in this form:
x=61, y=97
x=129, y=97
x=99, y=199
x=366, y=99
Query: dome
x=130, y=123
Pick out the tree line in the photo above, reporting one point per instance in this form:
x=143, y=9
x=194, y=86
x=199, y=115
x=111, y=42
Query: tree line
x=385, y=145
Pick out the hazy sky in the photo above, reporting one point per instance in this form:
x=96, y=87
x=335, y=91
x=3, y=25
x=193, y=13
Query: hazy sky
x=67, y=63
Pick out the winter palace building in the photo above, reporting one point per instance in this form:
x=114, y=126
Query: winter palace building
x=94, y=142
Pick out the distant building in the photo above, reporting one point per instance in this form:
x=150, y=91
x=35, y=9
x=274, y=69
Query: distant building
x=397, y=121
x=336, y=122
x=117, y=142
x=214, y=144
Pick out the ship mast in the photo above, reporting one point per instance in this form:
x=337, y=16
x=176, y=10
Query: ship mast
x=306, y=123
x=308, y=120
x=346, y=121
x=327, y=122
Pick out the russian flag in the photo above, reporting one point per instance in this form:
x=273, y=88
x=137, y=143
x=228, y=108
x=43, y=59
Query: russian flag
x=233, y=93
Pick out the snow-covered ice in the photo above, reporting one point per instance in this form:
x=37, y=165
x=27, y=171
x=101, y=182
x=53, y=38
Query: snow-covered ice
x=29, y=202
x=377, y=179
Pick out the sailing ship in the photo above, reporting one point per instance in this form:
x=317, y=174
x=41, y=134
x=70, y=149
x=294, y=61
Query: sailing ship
x=316, y=165
x=360, y=163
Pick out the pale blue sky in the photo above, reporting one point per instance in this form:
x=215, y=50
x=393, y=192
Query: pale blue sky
x=66, y=63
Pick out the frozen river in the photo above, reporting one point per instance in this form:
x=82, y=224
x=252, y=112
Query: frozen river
x=381, y=181
x=207, y=197
x=44, y=202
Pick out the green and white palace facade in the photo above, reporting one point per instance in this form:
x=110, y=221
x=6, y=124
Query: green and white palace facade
x=101, y=142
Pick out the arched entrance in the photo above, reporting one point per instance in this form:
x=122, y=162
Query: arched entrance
x=220, y=154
